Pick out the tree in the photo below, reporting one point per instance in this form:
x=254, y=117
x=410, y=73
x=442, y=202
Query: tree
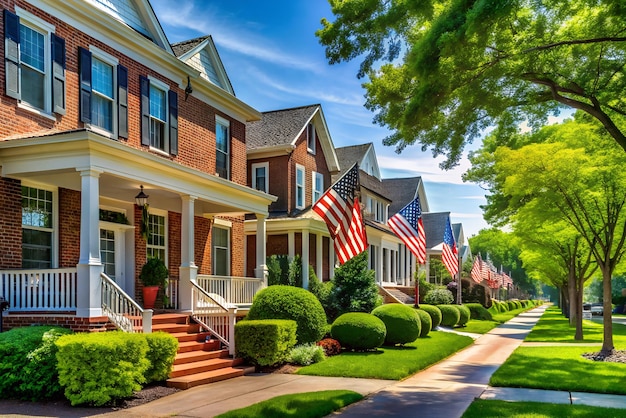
x=576, y=176
x=471, y=64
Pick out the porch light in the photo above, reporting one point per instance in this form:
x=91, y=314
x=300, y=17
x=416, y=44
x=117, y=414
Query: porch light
x=141, y=199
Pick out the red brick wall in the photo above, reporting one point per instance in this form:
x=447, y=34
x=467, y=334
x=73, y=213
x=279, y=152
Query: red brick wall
x=251, y=255
x=196, y=118
x=69, y=227
x=76, y=324
x=10, y=223
x=236, y=245
x=173, y=245
x=279, y=186
x=202, y=238
x=140, y=251
x=311, y=162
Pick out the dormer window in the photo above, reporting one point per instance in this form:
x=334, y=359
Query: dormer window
x=310, y=138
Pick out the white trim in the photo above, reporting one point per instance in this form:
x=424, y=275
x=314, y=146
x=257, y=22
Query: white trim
x=55, y=217
x=100, y=55
x=266, y=166
x=222, y=222
x=164, y=214
x=310, y=128
x=224, y=122
x=314, y=176
x=34, y=20
x=303, y=205
x=228, y=248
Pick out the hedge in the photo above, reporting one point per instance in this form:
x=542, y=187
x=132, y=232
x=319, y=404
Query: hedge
x=162, y=348
x=450, y=315
x=434, y=312
x=359, y=331
x=427, y=322
x=464, y=316
x=265, y=342
x=402, y=323
x=478, y=311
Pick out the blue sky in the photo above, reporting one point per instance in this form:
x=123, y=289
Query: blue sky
x=274, y=61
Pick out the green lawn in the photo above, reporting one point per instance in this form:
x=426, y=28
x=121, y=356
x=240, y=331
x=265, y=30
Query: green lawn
x=301, y=405
x=476, y=326
x=554, y=327
x=497, y=409
x=560, y=368
x=393, y=363
x=505, y=316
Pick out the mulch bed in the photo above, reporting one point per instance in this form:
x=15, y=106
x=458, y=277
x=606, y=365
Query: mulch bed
x=616, y=356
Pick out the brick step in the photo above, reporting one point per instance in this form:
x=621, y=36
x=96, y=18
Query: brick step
x=196, y=367
x=186, y=382
x=191, y=356
x=176, y=328
x=187, y=346
x=171, y=318
x=186, y=337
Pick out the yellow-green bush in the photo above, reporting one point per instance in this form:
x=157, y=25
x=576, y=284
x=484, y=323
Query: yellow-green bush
x=162, y=348
x=265, y=341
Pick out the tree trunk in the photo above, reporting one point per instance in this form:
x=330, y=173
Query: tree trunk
x=579, y=309
x=607, y=343
x=571, y=290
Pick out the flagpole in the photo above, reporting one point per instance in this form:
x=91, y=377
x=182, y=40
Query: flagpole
x=417, y=284
x=458, y=283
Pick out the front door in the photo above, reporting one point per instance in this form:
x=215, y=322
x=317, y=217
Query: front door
x=112, y=253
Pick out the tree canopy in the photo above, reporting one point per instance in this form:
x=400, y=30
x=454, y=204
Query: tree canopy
x=440, y=72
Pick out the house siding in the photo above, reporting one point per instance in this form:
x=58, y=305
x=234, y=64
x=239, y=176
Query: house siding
x=10, y=223
x=69, y=227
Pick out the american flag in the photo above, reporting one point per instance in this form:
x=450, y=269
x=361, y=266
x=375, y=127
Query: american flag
x=408, y=226
x=477, y=269
x=341, y=211
x=449, y=253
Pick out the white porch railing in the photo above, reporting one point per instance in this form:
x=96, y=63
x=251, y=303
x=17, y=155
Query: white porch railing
x=122, y=310
x=215, y=314
x=39, y=290
x=235, y=290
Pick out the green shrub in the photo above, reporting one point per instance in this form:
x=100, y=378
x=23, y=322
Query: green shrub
x=306, y=354
x=287, y=302
x=464, y=316
x=278, y=270
x=478, y=311
x=450, y=315
x=354, y=288
x=518, y=304
x=28, y=365
x=98, y=368
x=434, y=312
x=439, y=296
x=511, y=304
x=265, y=342
x=359, y=331
x=321, y=290
x=427, y=322
x=402, y=323
x=424, y=286
x=162, y=348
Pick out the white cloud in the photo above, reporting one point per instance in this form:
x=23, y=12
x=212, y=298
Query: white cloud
x=423, y=164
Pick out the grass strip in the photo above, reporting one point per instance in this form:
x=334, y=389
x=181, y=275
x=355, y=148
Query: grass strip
x=476, y=326
x=496, y=409
x=394, y=363
x=301, y=405
x=506, y=316
x=560, y=368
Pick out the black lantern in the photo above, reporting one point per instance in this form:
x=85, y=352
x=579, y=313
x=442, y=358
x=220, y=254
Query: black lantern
x=141, y=199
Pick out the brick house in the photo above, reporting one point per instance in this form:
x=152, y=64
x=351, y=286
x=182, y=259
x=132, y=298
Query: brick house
x=291, y=155
x=96, y=106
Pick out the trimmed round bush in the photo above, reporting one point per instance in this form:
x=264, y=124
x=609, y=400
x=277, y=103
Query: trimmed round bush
x=439, y=296
x=450, y=315
x=464, y=315
x=359, y=331
x=427, y=322
x=402, y=323
x=434, y=312
x=512, y=305
x=295, y=303
x=478, y=311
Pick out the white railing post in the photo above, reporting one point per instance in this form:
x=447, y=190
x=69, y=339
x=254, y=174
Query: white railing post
x=232, y=319
x=147, y=321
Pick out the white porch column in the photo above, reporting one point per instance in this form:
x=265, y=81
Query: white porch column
x=402, y=264
x=188, y=270
x=261, y=248
x=291, y=244
x=387, y=268
x=319, y=248
x=89, y=299
x=379, y=265
x=305, y=258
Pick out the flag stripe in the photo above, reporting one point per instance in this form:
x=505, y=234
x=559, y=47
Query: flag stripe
x=408, y=226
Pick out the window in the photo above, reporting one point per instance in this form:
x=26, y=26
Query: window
x=103, y=93
x=300, y=183
x=310, y=138
x=34, y=63
x=260, y=177
x=107, y=252
x=221, y=251
x=318, y=186
x=156, y=247
x=159, y=116
x=222, y=143
x=37, y=228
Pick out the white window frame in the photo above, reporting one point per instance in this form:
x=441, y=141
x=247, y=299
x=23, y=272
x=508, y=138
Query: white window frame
x=300, y=187
x=162, y=213
x=224, y=122
x=97, y=53
x=310, y=138
x=266, y=167
x=166, y=124
x=227, y=226
x=39, y=25
x=55, y=219
x=316, y=193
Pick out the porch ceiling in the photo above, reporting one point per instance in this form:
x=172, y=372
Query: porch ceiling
x=56, y=160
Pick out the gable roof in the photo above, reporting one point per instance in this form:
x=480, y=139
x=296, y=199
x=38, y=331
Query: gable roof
x=402, y=191
x=201, y=54
x=359, y=154
x=434, y=227
x=278, y=130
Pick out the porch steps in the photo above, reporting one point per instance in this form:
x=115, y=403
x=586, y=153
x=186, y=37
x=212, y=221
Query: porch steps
x=399, y=295
x=200, y=359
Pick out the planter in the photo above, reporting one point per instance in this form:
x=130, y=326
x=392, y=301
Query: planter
x=149, y=296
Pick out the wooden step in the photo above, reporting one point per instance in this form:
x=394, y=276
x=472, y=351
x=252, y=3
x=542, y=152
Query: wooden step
x=187, y=346
x=176, y=328
x=196, y=367
x=171, y=318
x=186, y=382
x=191, y=356
x=186, y=337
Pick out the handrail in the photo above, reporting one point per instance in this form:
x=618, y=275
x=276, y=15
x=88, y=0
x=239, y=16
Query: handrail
x=122, y=310
x=215, y=314
x=235, y=290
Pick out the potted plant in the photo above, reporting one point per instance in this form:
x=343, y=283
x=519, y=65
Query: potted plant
x=153, y=276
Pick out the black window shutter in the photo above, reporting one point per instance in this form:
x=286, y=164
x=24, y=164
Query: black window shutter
x=144, y=85
x=11, y=55
x=172, y=99
x=58, y=74
x=122, y=101
x=85, y=84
